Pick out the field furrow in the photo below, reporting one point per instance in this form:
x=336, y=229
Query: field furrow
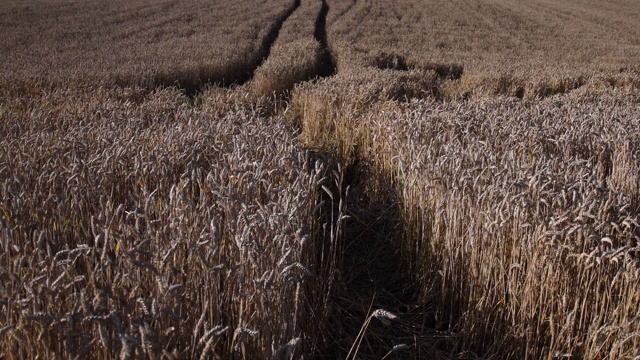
x=327, y=65
x=300, y=53
x=130, y=44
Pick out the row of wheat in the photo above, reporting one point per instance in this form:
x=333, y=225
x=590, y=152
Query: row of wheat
x=143, y=43
x=508, y=47
x=295, y=54
x=135, y=225
x=521, y=218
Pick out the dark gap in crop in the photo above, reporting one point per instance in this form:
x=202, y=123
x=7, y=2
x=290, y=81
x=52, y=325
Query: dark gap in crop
x=192, y=83
x=270, y=39
x=398, y=62
x=445, y=71
x=327, y=63
x=564, y=86
x=390, y=61
x=367, y=271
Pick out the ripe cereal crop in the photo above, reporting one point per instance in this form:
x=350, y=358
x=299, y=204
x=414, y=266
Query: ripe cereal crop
x=320, y=179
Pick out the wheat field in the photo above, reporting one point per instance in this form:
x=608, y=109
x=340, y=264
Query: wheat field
x=331, y=179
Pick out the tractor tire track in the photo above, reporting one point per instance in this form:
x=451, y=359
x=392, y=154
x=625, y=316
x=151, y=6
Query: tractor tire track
x=363, y=271
x=270, y=39
x=243, y=72
x=301, y=53
x=327, y=66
